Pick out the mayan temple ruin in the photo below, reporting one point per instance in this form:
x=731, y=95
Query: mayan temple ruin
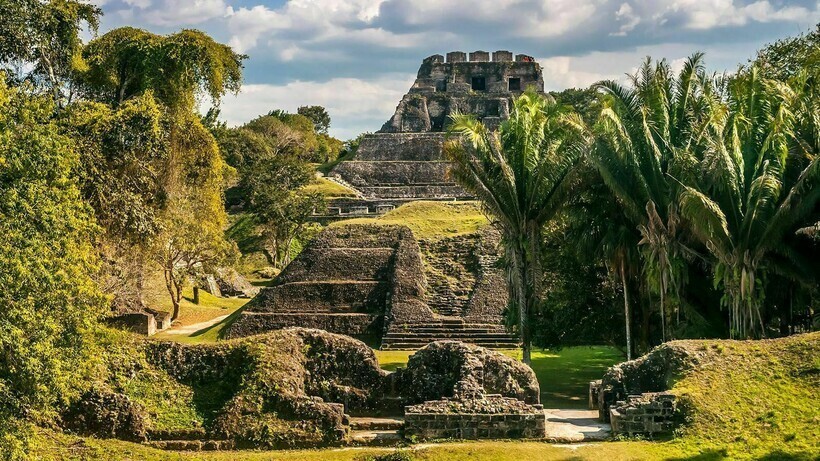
x=403, y=161
x=381, y=283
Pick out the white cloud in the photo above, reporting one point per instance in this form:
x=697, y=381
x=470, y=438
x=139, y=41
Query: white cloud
x=708, y=14
x=561, y=72
x=354, y=105
x=167, y=12
x=626, y=16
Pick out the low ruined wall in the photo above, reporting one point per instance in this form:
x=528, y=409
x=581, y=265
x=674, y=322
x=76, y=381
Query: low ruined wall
x=489, y=417
x=646, y=414
x=653, y=372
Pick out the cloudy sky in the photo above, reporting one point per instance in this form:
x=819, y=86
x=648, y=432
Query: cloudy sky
x=357, y=57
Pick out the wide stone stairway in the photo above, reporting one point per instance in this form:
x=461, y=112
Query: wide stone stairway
x=418, y=335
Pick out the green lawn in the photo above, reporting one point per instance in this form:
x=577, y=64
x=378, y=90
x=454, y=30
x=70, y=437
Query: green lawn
x=564, y=375
x=431, y=220
x=328, y=189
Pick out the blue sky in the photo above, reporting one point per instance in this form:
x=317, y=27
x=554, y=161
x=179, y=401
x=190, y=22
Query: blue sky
x=357, y=57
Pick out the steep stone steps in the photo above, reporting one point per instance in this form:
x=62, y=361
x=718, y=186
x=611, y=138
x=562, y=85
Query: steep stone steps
x=416, y=336
x=372, y=431
x=369, y=423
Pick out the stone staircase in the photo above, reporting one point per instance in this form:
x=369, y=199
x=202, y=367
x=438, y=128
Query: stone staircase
x=372, y=431
x=418, y=335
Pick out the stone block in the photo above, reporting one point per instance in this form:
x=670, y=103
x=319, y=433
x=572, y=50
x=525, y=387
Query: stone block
x=479, y=56
x=502, y=56
x=456, y=56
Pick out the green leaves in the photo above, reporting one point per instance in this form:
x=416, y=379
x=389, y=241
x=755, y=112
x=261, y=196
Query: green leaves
x=128, y=62
x=48, y=300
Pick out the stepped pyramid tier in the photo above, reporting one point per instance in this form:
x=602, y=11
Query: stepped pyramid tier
x=380, y=284
x=403, y=161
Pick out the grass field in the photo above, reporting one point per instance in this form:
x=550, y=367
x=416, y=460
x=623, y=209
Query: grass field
x=431, y=220
x=328, y=189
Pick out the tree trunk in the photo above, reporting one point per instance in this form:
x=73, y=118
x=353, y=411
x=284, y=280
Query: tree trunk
x=520, y=280
x=626, y=313
x=663, y=319
x=169, y=284
x=196, y=295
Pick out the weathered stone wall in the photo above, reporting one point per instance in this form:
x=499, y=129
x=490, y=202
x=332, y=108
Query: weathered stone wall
x=356, y=325
x=325, y=296
x=489, y=417
x=645, y=414
x=420, y=147
x=396, y=173
x=653, y=372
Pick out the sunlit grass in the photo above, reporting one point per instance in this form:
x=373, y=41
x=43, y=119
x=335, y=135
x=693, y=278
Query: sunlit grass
x=563, y=375
x=328, y=188
x=431, y=220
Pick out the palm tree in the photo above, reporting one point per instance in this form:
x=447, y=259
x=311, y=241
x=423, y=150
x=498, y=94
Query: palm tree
x=519, y=173
x=644, y=134
x=600, y=231
x=763, y=185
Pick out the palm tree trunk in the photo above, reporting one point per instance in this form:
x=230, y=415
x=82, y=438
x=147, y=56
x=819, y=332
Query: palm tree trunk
x=663, y=318
x=626, y=313
x=519, y=282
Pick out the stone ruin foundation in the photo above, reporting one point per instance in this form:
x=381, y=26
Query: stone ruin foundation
x=485, y=417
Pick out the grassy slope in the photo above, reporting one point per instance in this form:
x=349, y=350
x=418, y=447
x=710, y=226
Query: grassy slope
x=755, y=398
x=431, y=220
x=209, y=307
x=749, y=400
x=328, y=188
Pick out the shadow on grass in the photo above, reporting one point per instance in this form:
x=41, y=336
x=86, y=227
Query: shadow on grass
x=708, y=455
x=219, y=328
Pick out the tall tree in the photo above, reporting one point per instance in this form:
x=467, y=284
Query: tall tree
x=318, y=115
x=46, y=35
x=129, y=64
x=641, y=137
x=519, y=175
x=48, y=299
x=760, y=188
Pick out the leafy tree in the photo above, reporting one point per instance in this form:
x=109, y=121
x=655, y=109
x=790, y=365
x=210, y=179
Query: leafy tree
x=128, y=62
x=584, y=101
x=519, y=175
x=318, y=115
x=640, y=137
x=278, y=203
x=757, y=191
x=193, y=222
x=48, y=300
x=123, y=157
x=45, y=34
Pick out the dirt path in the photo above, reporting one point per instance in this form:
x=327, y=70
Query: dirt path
x=572, y=426
x=188, y=330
